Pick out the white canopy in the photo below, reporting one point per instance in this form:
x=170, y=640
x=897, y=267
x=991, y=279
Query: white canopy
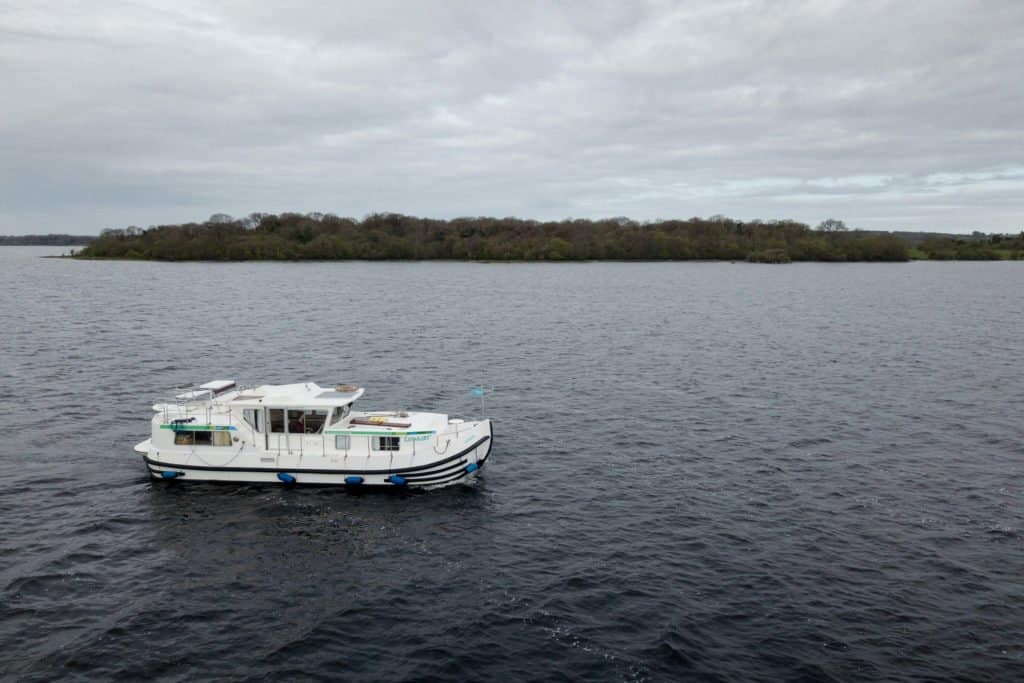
x=307, y=395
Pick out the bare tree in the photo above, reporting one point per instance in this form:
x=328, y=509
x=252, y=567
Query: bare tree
x=831, y=225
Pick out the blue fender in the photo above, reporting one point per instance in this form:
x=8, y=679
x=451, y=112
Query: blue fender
x=397, y=480
x=472, y=467
x=353, y=481
x=286, y=478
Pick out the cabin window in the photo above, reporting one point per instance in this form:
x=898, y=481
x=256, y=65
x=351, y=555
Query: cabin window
x=252, y=416
x=386, y=443
x=340, y=413
x=203, y=438
x=315, y=420
x=342, y=443
x=277, y=420
x=306, y=421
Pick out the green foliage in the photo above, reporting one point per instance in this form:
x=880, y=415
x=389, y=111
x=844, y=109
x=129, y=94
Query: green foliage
x=977, y=247
x=769, y=256
x=392, y=236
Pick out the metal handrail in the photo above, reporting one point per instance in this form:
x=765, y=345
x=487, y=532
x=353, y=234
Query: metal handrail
x=186, y=407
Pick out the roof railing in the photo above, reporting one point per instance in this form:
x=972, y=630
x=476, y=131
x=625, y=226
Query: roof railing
x=192, y=400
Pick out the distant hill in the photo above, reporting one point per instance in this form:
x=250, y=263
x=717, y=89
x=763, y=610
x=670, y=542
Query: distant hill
x=976, y=246
x=50, y=240
x=917, y=238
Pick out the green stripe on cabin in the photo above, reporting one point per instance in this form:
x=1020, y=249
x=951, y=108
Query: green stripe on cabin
x=345, y=432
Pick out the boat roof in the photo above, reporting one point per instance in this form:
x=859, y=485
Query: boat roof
x=308, y=395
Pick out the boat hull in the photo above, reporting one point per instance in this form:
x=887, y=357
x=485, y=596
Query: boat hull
x=444, y=469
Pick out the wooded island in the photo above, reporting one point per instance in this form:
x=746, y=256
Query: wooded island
x=49, y=240
x=390, y=236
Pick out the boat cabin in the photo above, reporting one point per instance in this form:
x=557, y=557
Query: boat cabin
x=303, y=419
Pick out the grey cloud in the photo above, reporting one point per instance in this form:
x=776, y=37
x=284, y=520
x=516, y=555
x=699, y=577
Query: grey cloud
x=885, y=114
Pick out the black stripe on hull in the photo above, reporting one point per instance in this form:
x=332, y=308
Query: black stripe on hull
x=448, y=469
x=453, y=474
x=447, y=479
x=435, y=475
x=425, y=469
x=444, y=479
x=429, y=474
x=415, y=474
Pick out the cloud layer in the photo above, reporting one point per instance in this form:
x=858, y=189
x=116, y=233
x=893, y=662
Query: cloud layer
x=886, y=114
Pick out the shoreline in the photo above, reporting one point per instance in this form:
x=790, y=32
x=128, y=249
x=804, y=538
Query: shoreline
x=525, y=261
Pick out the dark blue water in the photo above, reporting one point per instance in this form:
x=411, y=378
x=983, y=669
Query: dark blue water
x=701, y=471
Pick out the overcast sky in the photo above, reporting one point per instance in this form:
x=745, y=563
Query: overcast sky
x=895, y=115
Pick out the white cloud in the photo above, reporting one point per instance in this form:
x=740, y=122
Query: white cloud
x=871, y=111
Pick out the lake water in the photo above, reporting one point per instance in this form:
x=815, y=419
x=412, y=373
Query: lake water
x=701, y=471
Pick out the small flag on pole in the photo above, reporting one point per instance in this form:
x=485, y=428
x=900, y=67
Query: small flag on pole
x=479, y=392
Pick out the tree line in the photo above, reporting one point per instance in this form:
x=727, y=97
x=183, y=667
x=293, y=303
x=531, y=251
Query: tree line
x=974, y=247
x=44, y=240
x=392, y=236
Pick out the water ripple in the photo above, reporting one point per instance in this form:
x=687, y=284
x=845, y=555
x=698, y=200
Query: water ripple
x=702, y=471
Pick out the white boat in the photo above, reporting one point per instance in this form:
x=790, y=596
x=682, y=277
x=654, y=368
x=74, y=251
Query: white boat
x=307, y=434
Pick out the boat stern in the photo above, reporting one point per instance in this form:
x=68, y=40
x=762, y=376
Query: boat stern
x=482, y=434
